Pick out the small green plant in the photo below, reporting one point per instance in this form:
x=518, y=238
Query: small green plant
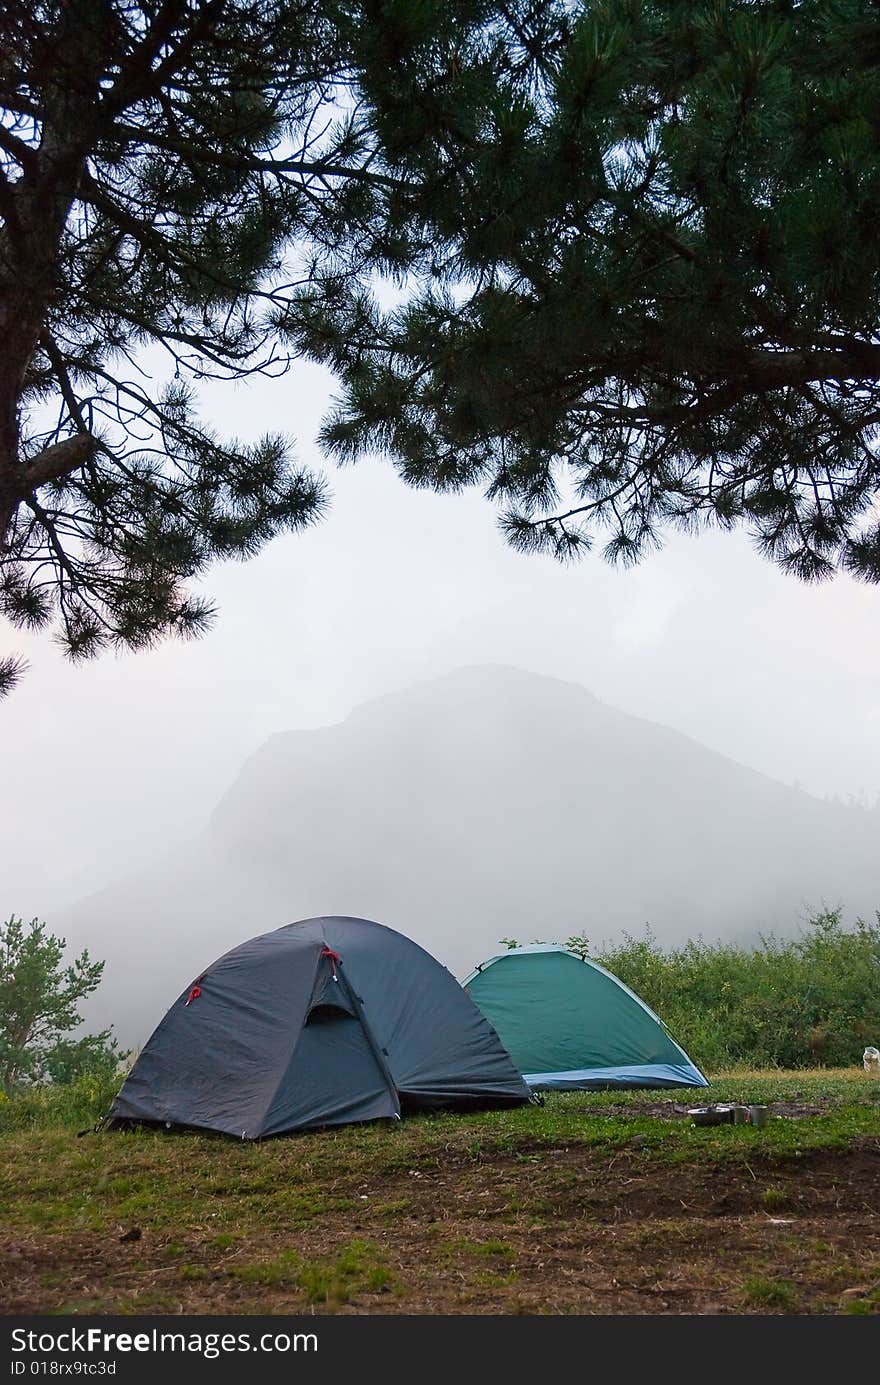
x=579, y=944
x=774, y=1199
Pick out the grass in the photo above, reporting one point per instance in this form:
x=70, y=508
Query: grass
x=465, y=1204
x=770, y=1293
x=52, y=1180
x=78, y=1105
x=358, y=1268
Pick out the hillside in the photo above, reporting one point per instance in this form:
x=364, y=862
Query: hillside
x=488, y=803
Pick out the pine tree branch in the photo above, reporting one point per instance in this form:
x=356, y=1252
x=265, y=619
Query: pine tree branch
x=252, y=163
x=24, y=154
x=56, y=462
x=138, y=78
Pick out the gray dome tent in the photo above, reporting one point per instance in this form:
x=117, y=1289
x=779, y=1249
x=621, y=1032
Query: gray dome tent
x=321, y=1022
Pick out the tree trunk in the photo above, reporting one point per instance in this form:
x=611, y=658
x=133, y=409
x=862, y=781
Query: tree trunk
x=39, y=206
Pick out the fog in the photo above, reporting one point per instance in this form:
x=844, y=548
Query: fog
x=114, y=769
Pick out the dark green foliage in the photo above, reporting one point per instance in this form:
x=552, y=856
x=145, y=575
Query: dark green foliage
x=640, y=249
x=11, y=669
x=636, y=247
x=39, y=1006
x=801, y=1002
x=160, y=168
x=94, y=1055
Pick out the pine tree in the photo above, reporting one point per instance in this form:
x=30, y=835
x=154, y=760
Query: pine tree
x=636, y=246
x=640, y=243
x=160, y=166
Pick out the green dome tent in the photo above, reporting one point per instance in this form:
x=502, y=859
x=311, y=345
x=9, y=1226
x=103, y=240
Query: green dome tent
x=568, y=1023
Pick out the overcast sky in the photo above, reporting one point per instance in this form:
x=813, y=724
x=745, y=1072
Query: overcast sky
x=107, y=764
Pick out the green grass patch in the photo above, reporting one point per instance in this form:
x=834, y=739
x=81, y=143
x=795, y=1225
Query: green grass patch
x=770, y=1293
x=486, y=1279
x=357, y=1269
x=281, y=1269
x=498, y=1250
x=394, y=1207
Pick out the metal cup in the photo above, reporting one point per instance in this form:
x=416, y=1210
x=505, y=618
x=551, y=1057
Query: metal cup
x=740, y=1115
x=758, y=1115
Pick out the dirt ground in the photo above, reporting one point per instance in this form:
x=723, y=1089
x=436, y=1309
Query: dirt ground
x=568, y=1230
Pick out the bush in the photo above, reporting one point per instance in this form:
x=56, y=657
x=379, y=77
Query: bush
x=801, y=1002
x=77, y=1104
x=95, y=1055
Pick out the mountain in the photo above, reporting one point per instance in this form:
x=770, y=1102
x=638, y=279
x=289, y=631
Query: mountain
x=484, y=804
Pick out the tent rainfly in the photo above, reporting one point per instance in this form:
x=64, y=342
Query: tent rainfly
x=568, y=1023
x=322, y=1022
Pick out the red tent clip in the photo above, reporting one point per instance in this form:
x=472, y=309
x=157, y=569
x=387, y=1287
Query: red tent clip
x=194, y=994
x=334, y=958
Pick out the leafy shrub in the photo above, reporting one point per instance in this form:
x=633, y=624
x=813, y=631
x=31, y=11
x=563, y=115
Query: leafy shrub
x=79, y=1104
x=812, y=1000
